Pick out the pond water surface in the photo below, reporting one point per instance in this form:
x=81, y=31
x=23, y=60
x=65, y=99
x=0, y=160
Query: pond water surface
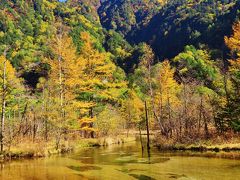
x=121, y=162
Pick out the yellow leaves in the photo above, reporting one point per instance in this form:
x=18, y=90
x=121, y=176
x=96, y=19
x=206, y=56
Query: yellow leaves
x=133, y=108
x=78, y=82
x=89, y=129
x=10, y=72
x=165, y=77
x=234, y=41
x=109, y=121
x=87, y=120
x=122, y=53
x=183, y=70
x=43, y=27
x=12, y=82
x=234, y=44
x=235, y=70
x=50, y=5
x=83, y=105
x=235, y=65
x=105, y=69
x=148, y=56
x=167, y=87
x=1, y=34
x=86, y=123
x=85, y=21
x=14, y=53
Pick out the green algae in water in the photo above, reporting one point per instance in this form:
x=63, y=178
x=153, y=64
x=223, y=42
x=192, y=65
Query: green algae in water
x=126, y=159
x=176, y=176
x=132, y=159
x=84, y=168
x=126, y=170
x=120, y=163
x=141, y=177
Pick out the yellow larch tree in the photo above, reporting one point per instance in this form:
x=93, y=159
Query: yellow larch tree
x=10, y=85
x=79, y=82
x=230, y=114
x=99, y=84
x=65, y=79
x=166, y=96
x=133, y=110
x=233, y=43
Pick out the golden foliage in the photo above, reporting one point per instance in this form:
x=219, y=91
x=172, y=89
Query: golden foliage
x=167, y=87
x=233, y=42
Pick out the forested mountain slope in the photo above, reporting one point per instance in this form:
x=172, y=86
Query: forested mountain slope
x=27, y=26
x=180, y=23
x=168, y=26
x=125, y=16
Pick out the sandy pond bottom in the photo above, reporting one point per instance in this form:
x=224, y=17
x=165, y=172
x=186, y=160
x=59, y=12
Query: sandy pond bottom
x=121, y=162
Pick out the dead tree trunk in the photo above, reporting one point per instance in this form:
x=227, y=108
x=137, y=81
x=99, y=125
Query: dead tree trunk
x=147, y=126
x=91, y=124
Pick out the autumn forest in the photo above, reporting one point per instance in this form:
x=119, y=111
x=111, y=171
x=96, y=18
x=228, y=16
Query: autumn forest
x=82, y=70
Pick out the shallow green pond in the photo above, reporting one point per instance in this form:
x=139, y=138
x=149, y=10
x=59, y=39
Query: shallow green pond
x=121, y=162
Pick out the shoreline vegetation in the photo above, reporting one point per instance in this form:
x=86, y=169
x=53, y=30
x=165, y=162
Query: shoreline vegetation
x=229, y=149
x=45, y=149
x=218, y=147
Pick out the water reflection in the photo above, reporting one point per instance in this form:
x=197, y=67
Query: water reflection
x=121, y=162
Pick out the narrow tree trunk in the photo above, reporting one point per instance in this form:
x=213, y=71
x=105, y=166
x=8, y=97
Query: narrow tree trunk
x=225, y=86
x=185, y=108
x=206, y=127
x=46, y=130
x=169, y=117
x=9, y=132
x=200, y=115
x=91, y=124
x=34, y=127
x=180, y=127
x=61, y=87
x=147, y=126
x=128, y=122
x=3, y=103
x=45, y=107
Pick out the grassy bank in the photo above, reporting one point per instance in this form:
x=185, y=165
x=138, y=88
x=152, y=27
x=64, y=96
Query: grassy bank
x=201, y=147
x=215, y=147
x=29, y=149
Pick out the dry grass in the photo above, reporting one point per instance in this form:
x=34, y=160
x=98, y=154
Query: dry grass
x=215, y=144
x=40, y=148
